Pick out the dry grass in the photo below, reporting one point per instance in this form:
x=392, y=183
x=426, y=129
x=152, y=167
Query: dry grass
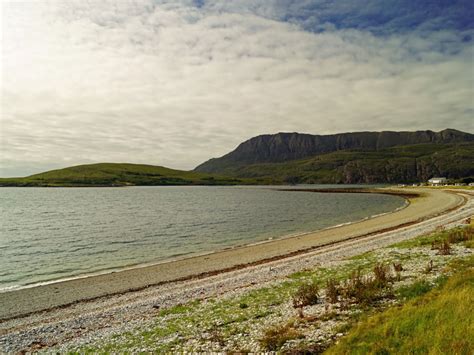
x=274, y=338
x=306, y=295
x=333, y=291
x=366, y=290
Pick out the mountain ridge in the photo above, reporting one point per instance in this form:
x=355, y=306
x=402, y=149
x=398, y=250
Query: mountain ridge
x=346, y=158
x=280, y=147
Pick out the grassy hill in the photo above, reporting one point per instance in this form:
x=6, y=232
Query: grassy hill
x=410, y=163
x=111, y=174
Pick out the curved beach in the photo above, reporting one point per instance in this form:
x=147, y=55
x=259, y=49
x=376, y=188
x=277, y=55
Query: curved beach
x=29, y=300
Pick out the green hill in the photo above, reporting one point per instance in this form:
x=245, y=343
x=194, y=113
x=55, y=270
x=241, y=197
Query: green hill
x=346, y=158
x=111, y=174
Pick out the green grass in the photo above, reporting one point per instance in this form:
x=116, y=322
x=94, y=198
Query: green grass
x=456, y=235
x=224, y=317
x=440, y=321
x=414, y=290
x=216, y=321
x=112, y=174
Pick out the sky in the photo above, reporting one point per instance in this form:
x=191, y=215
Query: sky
x=175, y=83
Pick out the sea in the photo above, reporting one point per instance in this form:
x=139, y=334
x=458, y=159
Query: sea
x=50, y=234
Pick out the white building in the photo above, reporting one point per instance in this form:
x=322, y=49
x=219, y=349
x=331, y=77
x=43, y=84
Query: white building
x=436, y=181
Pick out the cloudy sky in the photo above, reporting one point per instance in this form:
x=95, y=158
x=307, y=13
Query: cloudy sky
x=174, y=83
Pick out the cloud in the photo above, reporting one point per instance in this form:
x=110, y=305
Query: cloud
x=175, y=83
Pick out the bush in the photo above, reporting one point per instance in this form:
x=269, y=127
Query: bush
x=444, y=248
x=382, y=275
x=274, y=338
x=398, y=270
x=305, y=295
x=366, y=289
x=461, y=234
x=429, y=267
x=397, y=267
x=332, y=291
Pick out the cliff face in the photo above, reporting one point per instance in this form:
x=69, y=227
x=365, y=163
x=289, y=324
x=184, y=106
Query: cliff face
x=362, y=157
x=291, y=146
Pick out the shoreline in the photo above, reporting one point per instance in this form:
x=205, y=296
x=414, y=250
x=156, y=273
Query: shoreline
x=21, y=302
x=172, y=259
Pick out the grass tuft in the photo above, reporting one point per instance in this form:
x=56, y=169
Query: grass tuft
x=333, y=290
x=306, y=295
x=274, y=338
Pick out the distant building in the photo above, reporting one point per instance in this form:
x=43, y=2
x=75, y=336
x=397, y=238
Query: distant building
x=437, y=181
x=471, y=184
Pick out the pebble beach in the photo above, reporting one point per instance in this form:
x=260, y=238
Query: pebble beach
x=65, y=314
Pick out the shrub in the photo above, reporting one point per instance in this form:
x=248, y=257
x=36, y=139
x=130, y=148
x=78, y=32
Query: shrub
x=306, y=349
x=444, y=248
x=382, y=275
x=366, y=290
x=429, y=267
x=461, y=235
x=332, y=291
x=305, y=295
x=397, y=267
x=274, y=338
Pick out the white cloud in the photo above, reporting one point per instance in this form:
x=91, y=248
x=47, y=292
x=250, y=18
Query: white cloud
x=172, y=84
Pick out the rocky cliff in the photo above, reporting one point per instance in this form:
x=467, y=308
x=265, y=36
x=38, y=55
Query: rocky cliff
x=350, y=157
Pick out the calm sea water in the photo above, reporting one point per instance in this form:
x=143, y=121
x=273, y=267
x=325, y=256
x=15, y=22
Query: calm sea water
x=54, y=233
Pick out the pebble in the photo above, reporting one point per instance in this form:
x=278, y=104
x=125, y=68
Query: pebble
x=92, y=322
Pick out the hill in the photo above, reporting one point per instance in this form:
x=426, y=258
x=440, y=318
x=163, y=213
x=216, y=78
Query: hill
x=362, y=157
x=111, y=174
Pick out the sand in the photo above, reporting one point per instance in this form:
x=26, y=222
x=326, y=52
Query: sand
x=29, y=300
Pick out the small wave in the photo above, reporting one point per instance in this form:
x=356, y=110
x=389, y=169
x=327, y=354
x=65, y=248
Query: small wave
x=9, y=288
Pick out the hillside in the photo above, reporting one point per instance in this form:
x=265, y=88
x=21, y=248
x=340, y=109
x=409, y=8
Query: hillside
x=365, y=157
x=110, y=174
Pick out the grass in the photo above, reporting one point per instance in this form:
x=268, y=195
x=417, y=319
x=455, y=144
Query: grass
x=307, y=294
x=440, y=321
x=438, y=238
x=227, y=317
x=275, y=337
x=361, y=284
x=365, y=290
x=414, y=290
x=112, y=174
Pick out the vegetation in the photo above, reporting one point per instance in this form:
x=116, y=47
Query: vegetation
x=442, y=239
x=275, y=337
x=409, y=164
x=440, y=322
x=365, y=290
x=306, y=295
x=361, y=296
x=111, y=174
